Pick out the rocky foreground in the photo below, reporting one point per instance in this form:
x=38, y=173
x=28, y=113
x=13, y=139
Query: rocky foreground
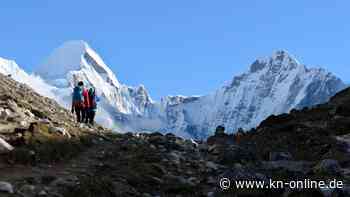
x=45, y=153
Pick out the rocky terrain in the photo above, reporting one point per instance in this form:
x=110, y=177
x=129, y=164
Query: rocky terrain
x=45, y=153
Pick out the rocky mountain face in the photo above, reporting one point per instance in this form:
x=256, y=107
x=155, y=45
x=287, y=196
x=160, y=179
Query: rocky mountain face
x=45, y=153
x=21, y=107
x=273, y=85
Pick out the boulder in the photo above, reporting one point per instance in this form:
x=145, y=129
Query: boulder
x=60, y=130
x=4, y=113
x=6, y=187
x=5, y=147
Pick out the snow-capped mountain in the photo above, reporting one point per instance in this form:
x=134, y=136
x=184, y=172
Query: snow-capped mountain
x=273, y=85
x=120, y=105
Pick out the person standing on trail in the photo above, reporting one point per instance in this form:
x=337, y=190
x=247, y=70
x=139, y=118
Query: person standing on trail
x=86, y=106
x=93, y=99
x=78, y=101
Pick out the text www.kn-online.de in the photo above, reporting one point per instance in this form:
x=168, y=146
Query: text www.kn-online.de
x=226, y=184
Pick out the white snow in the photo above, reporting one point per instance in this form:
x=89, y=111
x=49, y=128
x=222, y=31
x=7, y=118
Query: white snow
x=9, y=67
x=273, y=85
x=280, y=84
x=4, y=146
x=75, y=61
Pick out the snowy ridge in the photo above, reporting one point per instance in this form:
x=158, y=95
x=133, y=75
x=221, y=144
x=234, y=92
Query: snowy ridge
x=9, y=67
x=272, y=85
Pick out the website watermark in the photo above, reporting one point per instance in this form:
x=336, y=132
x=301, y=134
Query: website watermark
x=226, y=184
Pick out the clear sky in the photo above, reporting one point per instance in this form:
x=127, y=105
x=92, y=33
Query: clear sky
x=187, y=47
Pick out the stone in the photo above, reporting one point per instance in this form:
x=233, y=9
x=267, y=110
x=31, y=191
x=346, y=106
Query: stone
x=5, y=147
x=60, y=182
x=60, y=130
x=193, y=181
x=44, y=121
x=210, y=194
x=211, y=165
x=327, y=166
x=6, y=187
x=24, y=123
x=146, y=195
x=42, y=193
x=175, y=157
x=213, y=149
x=4, y=113
x=27, y=189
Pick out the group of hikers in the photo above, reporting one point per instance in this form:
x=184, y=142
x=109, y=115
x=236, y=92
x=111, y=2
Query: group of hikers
x=84, y=103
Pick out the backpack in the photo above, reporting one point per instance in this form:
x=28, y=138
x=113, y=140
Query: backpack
x=93, y=99
x=78, y=94
x=86, y=99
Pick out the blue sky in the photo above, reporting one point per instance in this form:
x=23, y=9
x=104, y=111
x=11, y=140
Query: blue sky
x=180, y=47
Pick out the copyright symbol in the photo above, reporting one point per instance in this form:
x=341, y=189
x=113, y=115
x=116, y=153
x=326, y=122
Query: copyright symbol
x=225, y=183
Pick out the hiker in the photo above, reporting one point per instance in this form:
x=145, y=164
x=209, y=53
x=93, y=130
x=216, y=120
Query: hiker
x=93, y=99
x=79, y=102
x=86, y=106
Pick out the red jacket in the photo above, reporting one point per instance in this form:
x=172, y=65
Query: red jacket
x=86, y=98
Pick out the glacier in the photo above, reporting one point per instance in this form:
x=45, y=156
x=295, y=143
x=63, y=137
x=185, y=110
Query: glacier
x=272, y=85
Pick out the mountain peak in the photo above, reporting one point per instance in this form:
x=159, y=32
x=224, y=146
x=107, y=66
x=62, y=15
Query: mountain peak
x=284, y=55
x=67, y=57
x=278, y=60
x=281, y=53
x=75, y=56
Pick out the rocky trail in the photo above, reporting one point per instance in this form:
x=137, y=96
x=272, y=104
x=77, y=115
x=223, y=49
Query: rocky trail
x=43, y=152
x=64, y=171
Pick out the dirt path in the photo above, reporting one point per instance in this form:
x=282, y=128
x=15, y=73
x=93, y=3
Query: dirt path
x=79, y=165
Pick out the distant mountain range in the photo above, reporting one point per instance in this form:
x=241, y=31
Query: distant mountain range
x=273, y=85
